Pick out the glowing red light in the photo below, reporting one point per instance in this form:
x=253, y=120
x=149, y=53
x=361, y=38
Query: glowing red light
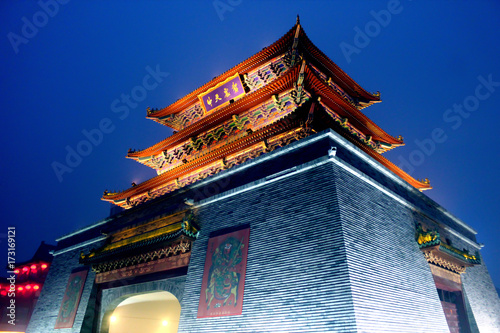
x=16, y=271
x=28, y=287
x=20, y=289
x=44, y=266
x=36, y=287
x=25, y=269
x=33, y=266
x=3, y=293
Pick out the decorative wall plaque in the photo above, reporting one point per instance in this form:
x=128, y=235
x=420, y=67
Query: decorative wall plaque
x=71, y=299
x=224, y=275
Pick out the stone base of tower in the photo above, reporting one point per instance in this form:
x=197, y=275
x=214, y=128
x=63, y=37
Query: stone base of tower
x=332, y=248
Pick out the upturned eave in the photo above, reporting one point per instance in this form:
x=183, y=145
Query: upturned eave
x=312, y=82
x=250, y=100
x=282, y=45
x=266, y=54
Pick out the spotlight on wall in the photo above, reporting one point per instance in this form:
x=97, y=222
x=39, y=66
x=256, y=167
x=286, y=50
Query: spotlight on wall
x=112, y=319
x=164, y=323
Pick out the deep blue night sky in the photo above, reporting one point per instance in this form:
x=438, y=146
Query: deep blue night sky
x=65, y=77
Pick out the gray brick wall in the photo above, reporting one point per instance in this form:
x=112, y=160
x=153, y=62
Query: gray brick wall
x=482, y=298
x=332, y=249
x=392, y=286
x=46, y=310
x=296, y=278
x=408, y=193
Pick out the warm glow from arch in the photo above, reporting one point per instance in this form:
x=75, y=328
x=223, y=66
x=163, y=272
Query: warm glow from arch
x=112, y=319
x=155, y=312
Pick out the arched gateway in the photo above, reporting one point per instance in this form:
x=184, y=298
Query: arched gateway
x=151, y=312
x=146, y=307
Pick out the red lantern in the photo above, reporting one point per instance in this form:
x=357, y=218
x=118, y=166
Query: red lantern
x=3, y=293
x=20, y=289
x=36, y=287
x=28, y=287
x=25, y=269
x=44, y=266
x=33, y=267
x=16, y=271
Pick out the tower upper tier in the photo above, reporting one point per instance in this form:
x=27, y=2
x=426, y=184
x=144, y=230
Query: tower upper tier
x=285, y=92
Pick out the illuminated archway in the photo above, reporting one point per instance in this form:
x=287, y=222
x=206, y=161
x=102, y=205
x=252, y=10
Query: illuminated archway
x=156, y=312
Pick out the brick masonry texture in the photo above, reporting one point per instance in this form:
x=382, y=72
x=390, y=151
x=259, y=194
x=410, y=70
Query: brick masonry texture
x=393, y=289
x=332, y=249
x=45, y=313
x=482, y=298
x=297, y=278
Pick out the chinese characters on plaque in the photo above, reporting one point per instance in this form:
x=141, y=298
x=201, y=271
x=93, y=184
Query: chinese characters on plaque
x=222, y=93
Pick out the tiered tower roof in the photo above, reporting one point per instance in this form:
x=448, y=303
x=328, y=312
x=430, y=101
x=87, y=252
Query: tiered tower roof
x=285, y=92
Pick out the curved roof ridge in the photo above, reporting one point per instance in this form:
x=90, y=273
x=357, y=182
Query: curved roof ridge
x=163, y=178
x=358, y=115
x=336, y=70
x=180, y=104
x=160, y=146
